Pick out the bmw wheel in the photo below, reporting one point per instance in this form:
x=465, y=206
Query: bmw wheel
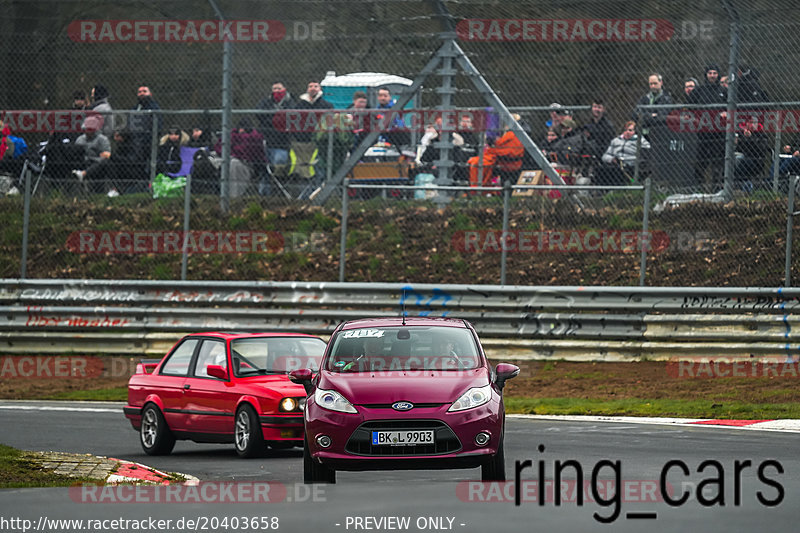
x=247, y=436
x=154, y=434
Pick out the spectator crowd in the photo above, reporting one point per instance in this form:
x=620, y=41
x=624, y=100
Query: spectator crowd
x=114, y=159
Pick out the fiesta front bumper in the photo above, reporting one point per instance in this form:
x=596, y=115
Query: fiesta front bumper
x=454, y=445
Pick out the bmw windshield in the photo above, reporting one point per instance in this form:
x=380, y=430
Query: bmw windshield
x=275, y=355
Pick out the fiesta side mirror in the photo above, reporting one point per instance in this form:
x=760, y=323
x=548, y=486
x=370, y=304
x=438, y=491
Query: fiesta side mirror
x=504, y=372
x=303, y=377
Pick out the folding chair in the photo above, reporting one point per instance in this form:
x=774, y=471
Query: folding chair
x=302, y=160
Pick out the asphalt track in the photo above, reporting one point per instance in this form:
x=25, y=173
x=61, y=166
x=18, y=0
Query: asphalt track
x=719, y=497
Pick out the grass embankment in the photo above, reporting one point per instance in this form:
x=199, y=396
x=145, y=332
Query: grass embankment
x=115, y=394
x=18, y=469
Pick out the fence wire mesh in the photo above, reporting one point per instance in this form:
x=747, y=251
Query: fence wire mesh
x=719, y=164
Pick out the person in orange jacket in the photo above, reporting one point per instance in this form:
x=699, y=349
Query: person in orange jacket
x=505, y=156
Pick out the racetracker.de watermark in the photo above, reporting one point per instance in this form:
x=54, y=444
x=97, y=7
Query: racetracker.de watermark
x=718, y=121
x=732, y=369
x=64, y=367
x=47, y=121
x=568, y=491
x=196, y=242
x=205, y=492
x=565, y=30
x=579, y=241
x=381, y=120
x=194, y=31
x=586, y=241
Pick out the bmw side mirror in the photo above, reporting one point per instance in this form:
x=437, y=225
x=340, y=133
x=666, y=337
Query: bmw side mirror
x=216, y=371
x=303, y=377
x=504, y=372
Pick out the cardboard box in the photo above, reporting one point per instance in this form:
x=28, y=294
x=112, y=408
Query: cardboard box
x=380, y=171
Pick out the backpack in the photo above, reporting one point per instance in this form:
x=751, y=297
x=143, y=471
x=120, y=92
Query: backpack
x=20, y=146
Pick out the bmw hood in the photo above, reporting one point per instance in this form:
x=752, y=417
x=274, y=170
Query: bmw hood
x=277, y=384
x=411, y=386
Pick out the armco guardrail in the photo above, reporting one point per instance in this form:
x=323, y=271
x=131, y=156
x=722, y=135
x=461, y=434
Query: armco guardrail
x=598, y=323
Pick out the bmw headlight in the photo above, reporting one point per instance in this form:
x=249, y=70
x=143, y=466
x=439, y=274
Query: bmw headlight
x=474, y=397
x=288, y=405
x=334, y=401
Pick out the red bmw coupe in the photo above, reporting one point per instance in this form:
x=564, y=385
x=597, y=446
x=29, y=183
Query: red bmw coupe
x=417, y=393
x=223, y=387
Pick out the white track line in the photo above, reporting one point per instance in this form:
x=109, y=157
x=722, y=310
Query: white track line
x=789, y=425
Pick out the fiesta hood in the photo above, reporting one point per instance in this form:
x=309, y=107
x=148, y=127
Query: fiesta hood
x=411, y=386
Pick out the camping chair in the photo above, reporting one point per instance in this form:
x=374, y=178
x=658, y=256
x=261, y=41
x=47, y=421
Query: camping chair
x=187, y=160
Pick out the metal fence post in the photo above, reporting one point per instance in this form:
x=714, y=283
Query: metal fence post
x=343, y=239
x=789, y=223
x=329, y=162
x=504, y=235
x=26, y=217
x=776, y=160
x=153, y=145
x=227, y=106
x=730, y=134
x=645, y=227
x=187, y=208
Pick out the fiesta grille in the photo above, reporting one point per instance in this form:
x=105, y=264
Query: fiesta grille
x=389, y=405
x=445, y=441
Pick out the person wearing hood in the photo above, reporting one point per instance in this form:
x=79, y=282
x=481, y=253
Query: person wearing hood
x=749, y=88
x=277, y=142
x=101, y=105
x=710, y=144
x=169, y=151
x=128, y=170
x=247, y=157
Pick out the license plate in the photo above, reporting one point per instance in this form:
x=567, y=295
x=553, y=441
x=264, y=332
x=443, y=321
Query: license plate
x=402, y=438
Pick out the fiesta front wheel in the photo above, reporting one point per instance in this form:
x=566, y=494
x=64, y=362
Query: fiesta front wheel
x=314, y=472
x=154, y=434
x=494, y=469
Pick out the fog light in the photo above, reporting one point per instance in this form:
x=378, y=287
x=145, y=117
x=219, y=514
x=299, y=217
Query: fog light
x=324, y=441
x=482, y=438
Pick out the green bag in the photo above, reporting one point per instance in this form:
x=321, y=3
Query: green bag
x=166, y=187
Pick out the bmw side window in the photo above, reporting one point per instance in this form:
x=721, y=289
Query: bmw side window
x=178, y=362
x=212, y=352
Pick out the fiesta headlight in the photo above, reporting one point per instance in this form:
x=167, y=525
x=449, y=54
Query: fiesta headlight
x=333, y=401
x=288, y=405
x=474, y=397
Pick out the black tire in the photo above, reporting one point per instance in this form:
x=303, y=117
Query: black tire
x=154, y=435
x=314, y=472
x=248, y=439
x=494, y=469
